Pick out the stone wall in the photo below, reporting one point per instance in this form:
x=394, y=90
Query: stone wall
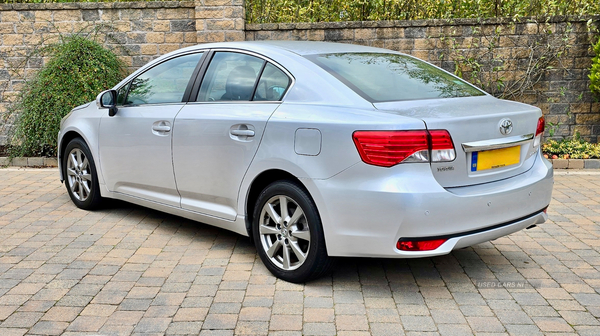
x=137, y=31
x=141, y=31
x=562, y=92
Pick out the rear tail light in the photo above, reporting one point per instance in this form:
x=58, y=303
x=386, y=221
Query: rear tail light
x=419, y=245
x=442, y=148
x=389, y=148
x=539, y=131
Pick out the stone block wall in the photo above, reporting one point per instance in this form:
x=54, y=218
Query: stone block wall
x=137, y=31
x=562, y=92
x=142, y=31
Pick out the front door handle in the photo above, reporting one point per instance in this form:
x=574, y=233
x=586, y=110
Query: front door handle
x=242, y=132
x=161, y=128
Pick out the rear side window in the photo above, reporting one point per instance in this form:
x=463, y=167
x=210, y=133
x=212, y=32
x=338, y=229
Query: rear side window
x=272, y=85
x=390, y=77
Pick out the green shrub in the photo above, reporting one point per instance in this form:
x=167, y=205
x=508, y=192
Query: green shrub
x=78, y=69
x=574, y=148
x=595, y=71
x=266, y=11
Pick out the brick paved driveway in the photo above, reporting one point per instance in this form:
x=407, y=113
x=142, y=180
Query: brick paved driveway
x=128, y=270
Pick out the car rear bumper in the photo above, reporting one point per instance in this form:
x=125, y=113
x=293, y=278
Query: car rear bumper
x=365, y=209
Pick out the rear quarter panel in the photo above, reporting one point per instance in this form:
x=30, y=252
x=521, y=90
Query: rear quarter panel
x=338, y=152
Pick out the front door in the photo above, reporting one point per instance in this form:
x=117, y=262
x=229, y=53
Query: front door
x=135, y=144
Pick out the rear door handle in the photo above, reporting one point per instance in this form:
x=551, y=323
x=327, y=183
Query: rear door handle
x=239, y=132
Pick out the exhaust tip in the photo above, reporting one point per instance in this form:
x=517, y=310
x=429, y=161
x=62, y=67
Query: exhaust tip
x=531, y=226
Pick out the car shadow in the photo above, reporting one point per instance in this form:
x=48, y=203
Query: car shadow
x=466, y=268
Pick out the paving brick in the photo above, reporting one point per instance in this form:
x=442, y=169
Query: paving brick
x=255, y=314
x=152, y=325
x=485, y=324
x=552, y=324
x=145, y=272
x=86, y=324
x=418, y=323
x=220, y=321
x=319, y=328
x=285, y=322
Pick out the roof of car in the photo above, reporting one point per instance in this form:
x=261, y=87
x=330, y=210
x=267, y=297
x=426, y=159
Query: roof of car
x=297, y=47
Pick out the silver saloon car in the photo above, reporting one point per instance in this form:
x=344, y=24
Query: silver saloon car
x=314, y=150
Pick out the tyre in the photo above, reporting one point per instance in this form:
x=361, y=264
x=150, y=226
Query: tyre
x=288, y=234
x=80, y=175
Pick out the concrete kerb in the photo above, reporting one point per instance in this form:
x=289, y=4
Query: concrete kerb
x=52, y=162
x=31, y=162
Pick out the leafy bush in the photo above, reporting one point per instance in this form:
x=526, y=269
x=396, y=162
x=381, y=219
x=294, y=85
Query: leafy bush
x=78, y=69
x=266, y=11
x=575, y=148
x=595, y=71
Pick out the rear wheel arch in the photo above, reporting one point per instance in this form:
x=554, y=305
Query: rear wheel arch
x=259, y=183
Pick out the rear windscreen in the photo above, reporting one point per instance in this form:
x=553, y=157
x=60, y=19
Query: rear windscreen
x=390, y=77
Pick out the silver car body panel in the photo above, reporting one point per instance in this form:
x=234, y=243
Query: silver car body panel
x=135, y=152
x=206, y=148
x=364, y=209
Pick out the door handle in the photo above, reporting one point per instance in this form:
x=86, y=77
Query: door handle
x=239, y=132
x=161, y=128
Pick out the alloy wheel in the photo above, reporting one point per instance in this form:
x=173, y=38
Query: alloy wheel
x=79, y=174
x=284, y=232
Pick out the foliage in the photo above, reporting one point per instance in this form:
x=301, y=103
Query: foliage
x=482, y=59
x=574, y=148
x=77, y=70
x=268, y=11
x=58, y=1
x=595, y=70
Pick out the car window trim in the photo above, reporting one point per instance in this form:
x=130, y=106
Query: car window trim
x=260, y=73
x=202, y=74
x=192, y=81
x=183, y=100
x=193, y=96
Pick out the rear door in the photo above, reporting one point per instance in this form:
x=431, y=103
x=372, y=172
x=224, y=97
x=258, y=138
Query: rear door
x=216, y=137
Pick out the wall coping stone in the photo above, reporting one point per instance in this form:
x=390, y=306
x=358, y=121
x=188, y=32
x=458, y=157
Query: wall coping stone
x=411, y=23
x=96, y=5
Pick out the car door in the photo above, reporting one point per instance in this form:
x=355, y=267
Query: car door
x=216, y=137
x=135, y=144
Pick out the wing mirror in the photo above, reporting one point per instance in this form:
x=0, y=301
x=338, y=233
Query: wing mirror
x=108, y=99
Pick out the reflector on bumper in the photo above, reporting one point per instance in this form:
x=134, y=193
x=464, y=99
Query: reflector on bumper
x=419, y=245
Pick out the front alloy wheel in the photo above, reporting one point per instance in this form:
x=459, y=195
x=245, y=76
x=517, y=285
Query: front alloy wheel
x=80, y=175
x=287, y=233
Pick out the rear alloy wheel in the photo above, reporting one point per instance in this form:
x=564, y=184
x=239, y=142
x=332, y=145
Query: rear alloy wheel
x=288, y=234
x=80, y=175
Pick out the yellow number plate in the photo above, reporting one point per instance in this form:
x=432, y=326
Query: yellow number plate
x=495, y=158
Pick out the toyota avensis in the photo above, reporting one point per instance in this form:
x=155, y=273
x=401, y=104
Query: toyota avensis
x=315, y=150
